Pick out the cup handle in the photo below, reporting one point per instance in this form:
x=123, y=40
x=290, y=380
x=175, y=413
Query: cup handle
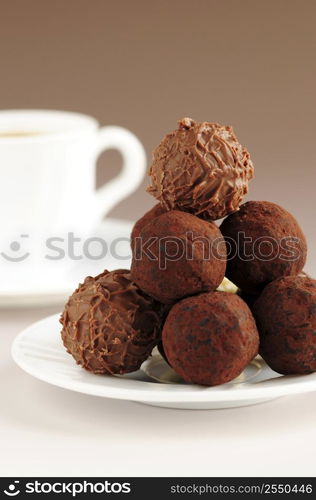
x=132, y=172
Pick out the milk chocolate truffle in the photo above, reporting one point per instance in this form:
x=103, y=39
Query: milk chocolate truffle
x=264, y=242
x=110, y=325
x=155, y=211
x=286, y=318
x=200, y=168
x=178, y=254
x=210, y=338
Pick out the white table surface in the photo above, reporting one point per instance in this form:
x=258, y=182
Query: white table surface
x=47, y=431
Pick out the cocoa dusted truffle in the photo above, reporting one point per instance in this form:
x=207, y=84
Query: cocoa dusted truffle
x=286, y=318
x=264, y=242
x=200, y=168
x=110, y=325
x=178, y=254
x=210, y=338
x=155, y=211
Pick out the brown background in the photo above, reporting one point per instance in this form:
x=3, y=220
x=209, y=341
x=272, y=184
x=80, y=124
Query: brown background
x=145, y=64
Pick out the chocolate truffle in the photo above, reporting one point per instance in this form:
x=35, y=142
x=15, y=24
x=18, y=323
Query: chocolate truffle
x=200, y=168
x=110, y=325
x=264, y=242
x=210, y=338
x=178, y=254
x=155, y=211
x=286, y=318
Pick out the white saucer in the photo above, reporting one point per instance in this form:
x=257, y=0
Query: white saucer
x=39, y=351
x=25, y=285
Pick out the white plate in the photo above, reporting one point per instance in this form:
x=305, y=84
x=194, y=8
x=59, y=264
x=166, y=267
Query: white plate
x=25, y=286
x=39, y=351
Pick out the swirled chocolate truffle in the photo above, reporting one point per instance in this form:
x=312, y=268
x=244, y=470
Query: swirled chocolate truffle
x=200, y=168
x=210, y=338
x=178, y=254
x=264, y=242
x=155, y=211
x=110, y=325
x=286, y=318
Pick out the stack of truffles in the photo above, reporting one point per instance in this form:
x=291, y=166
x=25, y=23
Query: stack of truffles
x=170, y=297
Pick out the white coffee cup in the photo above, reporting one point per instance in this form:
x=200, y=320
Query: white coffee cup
x=47, y=191
x=48, y=164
